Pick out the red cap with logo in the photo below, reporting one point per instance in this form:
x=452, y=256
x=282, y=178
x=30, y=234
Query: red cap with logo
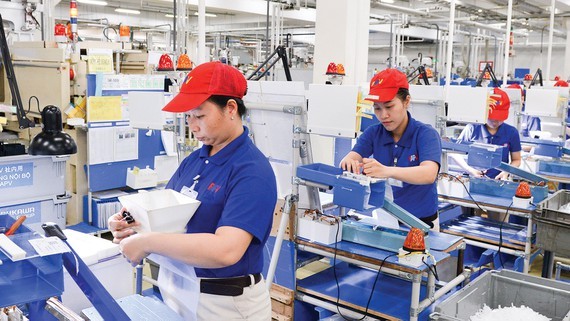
x=517, y=86
x=385, y=84
x=208, y=79
x=499, y=104
x=561, y=83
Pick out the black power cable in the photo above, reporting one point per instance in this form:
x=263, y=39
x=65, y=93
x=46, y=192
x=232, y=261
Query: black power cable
x=365, y=314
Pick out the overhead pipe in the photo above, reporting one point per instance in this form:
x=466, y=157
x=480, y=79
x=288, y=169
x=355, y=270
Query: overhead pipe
x=507, y=42
x=459, y=20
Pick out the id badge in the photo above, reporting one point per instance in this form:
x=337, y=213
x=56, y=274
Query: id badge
x=395, y=182
x=189, y=191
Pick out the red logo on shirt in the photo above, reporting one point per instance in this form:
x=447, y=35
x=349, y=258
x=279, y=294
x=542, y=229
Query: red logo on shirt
x=213, y=187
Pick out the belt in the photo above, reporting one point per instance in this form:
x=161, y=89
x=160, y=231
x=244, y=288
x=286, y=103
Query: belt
x=228, y=286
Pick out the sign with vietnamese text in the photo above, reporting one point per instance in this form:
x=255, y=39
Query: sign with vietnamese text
x=16, y=175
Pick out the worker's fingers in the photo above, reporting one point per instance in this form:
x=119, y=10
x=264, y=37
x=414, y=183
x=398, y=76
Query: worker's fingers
x=119, y=235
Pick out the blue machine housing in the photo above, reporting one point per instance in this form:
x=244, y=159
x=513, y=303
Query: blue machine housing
x=346, y=192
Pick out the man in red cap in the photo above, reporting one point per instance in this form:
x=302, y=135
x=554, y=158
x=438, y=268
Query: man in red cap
x=495, y=132
x=213, y=271
x=399, y=148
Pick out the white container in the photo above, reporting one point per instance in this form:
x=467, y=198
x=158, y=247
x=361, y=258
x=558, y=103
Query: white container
x=317, y=231
x=160, y=210
x=451, y=188
x=105, y=261
x=25, y=178
x=38, y=212
x=143, y=178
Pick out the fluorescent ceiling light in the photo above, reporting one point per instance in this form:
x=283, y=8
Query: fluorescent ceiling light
x=207, y=14
x=121, y=10
x=170, y=15
x=93, y=2
x=387, y=1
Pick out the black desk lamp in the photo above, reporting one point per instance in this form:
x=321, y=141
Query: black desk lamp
x=52, y=140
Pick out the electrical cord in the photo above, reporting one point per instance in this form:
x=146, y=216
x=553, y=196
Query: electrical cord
x=365, y=314
x=465, y=187
x=501, y=235
x=30, y=104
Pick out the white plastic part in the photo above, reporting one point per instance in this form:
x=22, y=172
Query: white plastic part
x=13, y=251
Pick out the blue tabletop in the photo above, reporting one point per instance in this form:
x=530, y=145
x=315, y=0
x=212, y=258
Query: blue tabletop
x=391, y=298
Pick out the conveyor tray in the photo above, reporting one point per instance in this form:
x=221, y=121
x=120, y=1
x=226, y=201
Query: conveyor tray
x=487, y=230
x=391, y=299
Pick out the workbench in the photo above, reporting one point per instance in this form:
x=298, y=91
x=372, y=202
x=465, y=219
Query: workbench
x=517, y=243
x=400, y=300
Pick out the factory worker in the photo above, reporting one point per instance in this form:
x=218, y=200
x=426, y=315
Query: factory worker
x=495, y=132
x=528, y=122
x=399, y=148
x=213, y=271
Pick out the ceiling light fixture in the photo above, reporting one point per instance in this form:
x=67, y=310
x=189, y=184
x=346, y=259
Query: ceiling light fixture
x=93, y=2
x=170, y=15
x=479, y=10
x=213, y=15
x=387, y=1
x=131, y=11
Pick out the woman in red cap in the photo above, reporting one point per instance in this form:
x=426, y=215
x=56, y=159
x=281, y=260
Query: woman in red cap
x=528, y=123
x=400, y=148
x=213, y=271
x=495, y=132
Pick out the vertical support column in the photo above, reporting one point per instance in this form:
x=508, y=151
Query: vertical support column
x=341, y=36
x=507, y=39
x=449, y=56
x=550, y=39
x=566, y=74
x=201, y=32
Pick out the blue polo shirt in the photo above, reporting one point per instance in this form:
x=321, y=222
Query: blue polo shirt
x=529, y=123
x=237, y=188
x=420, y=142
x=506, y=136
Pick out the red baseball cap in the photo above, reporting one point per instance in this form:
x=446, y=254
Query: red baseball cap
x=517, y=86
x=499, y=104
x=207, y=79
x=561, y=83
x=385, y=84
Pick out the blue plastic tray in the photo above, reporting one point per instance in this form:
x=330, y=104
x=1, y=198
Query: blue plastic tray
x=504, y=189
x=31, y=279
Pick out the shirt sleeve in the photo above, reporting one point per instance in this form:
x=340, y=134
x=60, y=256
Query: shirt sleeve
x=515, y=141
x=429, y=145
x=466, y=134
x=365, y=143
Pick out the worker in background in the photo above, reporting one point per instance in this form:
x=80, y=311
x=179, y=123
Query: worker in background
x=400, y=148
x=213, y=272
x=528, y=122
x=495, y=132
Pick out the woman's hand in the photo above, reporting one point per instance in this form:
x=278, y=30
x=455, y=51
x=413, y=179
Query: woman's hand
x=502, y=176
x=351, y=163
x=120, y=227
x=133, y=248
x=373, y=168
